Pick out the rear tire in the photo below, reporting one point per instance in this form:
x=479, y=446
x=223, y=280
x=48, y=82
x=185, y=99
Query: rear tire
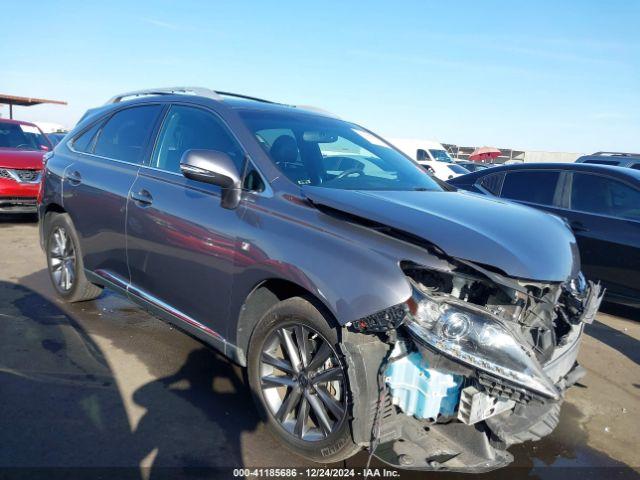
x=311, y=414
x=64, y=260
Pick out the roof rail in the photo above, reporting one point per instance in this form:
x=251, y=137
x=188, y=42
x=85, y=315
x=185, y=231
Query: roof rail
x=616, y=154
x=246, y=97
x=200, y=91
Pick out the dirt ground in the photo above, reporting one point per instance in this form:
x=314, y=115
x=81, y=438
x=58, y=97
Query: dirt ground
x=103, y=384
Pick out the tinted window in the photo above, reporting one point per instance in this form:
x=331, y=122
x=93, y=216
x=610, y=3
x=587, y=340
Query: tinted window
x=492, y=183
x=84, y=143
x=531, y=186
x=606, y=196
x=603, y=162
x=458, y=169
x=636, y=166
x=187, y=128
x=126, y=134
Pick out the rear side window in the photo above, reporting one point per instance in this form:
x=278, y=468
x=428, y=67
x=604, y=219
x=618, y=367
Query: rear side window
x=531, y=186
x=604, y=196
x=84, y=143
x=492, y=183
x=126, y=134
x=636, y=166
x=187, y=128
x=603, y=162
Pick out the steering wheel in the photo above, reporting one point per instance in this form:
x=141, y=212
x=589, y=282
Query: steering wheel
x=348, y=172
x=23, y=145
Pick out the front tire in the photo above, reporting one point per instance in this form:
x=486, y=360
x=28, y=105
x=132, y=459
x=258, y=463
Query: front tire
x=299, y=381
x=64, y=261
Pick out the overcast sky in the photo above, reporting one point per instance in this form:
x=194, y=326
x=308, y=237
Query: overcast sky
x=543, y=75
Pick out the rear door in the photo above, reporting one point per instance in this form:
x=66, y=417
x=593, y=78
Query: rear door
x=96, y=184
x=181, y=242
x=605, y=214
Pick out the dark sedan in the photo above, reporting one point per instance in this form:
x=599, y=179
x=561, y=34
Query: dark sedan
x=601, y=203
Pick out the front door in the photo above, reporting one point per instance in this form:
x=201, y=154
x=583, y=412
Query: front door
x=181, y=242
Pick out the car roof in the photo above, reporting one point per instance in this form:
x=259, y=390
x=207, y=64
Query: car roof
x=230, y=100
x=622, y=159
x=610, y=170
x=17, y=122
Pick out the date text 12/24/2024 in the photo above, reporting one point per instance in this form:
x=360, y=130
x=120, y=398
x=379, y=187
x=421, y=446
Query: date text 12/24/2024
x=316, y=473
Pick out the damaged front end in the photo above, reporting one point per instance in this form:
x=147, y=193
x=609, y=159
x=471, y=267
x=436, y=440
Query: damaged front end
x=473, y=362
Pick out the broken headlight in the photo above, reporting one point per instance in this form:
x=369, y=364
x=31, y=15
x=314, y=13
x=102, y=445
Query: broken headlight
x=476, y=338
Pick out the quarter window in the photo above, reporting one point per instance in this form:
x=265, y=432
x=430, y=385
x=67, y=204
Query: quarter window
x=492, y=183
x=187, y=128
x=126, y=134
x=84, y=143
x=531, y=186
x=606, y=196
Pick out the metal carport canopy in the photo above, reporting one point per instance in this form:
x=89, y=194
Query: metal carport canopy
x=12, y=100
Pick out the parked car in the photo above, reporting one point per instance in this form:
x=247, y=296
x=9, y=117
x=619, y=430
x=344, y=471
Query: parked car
x=473, y=166
x=601, y=203
x=22, y=146
x=422, y=150
x=614, y=159
x=56, y=137
x=370, y=304
x=442, y=170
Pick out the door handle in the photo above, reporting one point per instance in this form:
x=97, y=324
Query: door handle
x=578, y=227
x=142, y=198
x=74, y=177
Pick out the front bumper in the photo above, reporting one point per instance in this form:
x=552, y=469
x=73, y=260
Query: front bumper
x=16, y=197
x=18, y=205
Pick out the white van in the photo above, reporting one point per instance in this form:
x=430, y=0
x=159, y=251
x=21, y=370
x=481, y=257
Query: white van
x=422, y=150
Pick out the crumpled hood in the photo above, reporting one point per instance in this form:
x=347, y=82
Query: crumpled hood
x=522, y=242
x=21, y=159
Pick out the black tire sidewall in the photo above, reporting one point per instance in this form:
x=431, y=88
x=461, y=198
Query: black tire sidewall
x=339, y=445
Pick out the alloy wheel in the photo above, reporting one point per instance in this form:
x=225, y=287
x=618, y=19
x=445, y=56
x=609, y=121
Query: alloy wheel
x=303, y=382
x=62, y=259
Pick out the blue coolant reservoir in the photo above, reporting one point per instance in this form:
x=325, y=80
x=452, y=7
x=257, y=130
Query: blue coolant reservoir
x=419, y=390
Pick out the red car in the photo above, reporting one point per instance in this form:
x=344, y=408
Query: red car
x=22, y=146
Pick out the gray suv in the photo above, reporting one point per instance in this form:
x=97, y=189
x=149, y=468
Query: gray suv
x=373, y=306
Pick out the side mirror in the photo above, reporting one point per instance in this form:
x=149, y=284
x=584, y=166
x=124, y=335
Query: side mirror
x=216, y=168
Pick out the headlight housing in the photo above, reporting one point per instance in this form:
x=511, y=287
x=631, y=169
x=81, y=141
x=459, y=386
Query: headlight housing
x=477, y=338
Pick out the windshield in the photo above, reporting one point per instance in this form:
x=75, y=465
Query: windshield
x=326, y=152
x=22, y=137
x=441, y=155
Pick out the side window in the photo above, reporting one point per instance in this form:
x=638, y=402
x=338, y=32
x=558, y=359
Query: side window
x=84, y=143
x=422, y=155
x=603, y=162
x=605, y=196
x=492, y=183
x=126, y=134
x=636, y=166
x=253, y=180
x=187, y=128
x=536, y=186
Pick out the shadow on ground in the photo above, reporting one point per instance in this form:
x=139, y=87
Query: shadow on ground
x=13, y=218
x=61, y=406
